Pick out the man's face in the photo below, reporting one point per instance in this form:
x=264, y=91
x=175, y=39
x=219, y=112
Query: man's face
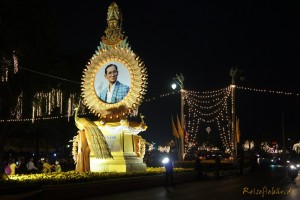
x=112, y=74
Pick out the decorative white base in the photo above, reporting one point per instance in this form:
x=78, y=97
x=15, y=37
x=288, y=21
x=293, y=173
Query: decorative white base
x=126, y=151
x=120, y=163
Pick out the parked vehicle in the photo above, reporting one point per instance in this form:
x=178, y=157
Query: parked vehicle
x=211, y=155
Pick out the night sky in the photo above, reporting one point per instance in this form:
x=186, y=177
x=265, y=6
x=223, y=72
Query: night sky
x=202, y=40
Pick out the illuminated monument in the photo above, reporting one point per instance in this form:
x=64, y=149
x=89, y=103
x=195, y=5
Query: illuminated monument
x=114, y=83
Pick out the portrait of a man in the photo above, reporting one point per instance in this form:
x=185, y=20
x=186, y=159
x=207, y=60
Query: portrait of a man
x=114, y=91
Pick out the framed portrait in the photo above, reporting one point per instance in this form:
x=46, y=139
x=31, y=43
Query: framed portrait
x=114, y=82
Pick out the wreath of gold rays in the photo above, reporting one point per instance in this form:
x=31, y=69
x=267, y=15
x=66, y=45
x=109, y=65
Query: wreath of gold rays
x=134, y=97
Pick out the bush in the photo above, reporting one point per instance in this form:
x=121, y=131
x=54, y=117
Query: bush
x=75, y=177
x=207, y=165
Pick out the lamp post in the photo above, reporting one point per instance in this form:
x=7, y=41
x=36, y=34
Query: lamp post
x=180, y=79
x=283, y=138
x=234, y=73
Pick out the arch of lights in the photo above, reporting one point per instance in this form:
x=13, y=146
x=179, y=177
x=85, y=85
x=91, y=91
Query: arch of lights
x=208, y=107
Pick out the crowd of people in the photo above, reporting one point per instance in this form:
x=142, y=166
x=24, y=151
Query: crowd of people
x=21, y=166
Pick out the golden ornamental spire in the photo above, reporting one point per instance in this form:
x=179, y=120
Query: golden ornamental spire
x=114, y=50
x=113, y=32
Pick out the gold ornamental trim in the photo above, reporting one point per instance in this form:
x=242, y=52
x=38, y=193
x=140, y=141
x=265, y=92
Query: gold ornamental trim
x=113, y=33
x=138, y=82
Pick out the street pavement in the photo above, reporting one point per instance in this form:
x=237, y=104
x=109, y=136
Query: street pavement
x=264, y=183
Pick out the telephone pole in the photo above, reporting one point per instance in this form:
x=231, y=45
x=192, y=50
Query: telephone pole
x=234, y=73
x=180, y=79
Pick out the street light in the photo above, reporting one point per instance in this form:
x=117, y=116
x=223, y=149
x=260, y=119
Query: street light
x=179, y=79
x=174, y=86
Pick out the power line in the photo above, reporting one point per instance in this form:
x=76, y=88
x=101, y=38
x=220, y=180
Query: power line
x=51, y=76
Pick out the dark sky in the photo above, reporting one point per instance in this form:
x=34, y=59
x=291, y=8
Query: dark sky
x=203, y=40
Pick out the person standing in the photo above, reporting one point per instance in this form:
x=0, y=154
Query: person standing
x=169, y=167
x=57, y=167
x=13, y=166
x=241, y=162
x=198, y=168
x=218, y=166
x=46, y=166
x=6, y=167
x=115, y=91
x=31, y=168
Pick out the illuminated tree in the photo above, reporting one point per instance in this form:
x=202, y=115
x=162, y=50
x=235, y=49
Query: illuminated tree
x=248, y=145
x=27, y=35
x=296, y=147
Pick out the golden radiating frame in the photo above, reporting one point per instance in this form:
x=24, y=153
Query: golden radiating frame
x=134, y=97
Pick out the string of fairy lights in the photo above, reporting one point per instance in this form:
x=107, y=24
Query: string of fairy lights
x=203, y=107
x=224, y=125
x=268, y=91
x=44, y=104
x=207, y=107
x=47, y=106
